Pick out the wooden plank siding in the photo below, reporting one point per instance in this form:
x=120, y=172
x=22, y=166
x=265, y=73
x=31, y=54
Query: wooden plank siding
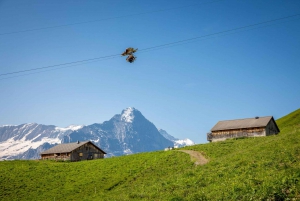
x=235, y=133
x=272, y=128
x=57, y=156
x=86, y=152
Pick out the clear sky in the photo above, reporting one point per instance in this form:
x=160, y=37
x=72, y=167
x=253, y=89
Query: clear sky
x=185, y=89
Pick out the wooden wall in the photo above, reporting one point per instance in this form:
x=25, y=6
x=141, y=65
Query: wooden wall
x=86, y=152
x=235, y=133
x=57, y=156
x=271, y=128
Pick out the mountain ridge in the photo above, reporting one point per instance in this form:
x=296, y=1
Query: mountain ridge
x=126, y=133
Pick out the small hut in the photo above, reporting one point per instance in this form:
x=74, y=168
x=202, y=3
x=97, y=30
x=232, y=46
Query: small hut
x=76, y=151
x=250, y=127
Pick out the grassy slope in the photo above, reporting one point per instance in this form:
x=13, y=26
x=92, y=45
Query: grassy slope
x=254, y=168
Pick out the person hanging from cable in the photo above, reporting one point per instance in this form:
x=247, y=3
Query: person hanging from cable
x=129, y=52
x=130, y=58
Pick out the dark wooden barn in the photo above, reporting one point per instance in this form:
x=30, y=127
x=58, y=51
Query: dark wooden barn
x=76, y=151
x=250, y=127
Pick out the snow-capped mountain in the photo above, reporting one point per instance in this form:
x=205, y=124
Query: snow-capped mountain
x=27, y=140
x=125, y=133
x=177, y=143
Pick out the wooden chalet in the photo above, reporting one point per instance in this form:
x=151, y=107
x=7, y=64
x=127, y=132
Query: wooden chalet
x=250, y=127
x=76, y=151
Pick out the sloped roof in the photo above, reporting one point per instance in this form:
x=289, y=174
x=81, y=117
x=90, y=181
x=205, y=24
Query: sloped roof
x=242, y=123
x=66, y=148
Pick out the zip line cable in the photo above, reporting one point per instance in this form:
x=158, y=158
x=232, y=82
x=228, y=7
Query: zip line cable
x=211, y=36
x=62, y=64
x=59, y=68
x=230, y=31
x=220, y=32
x=104, y=19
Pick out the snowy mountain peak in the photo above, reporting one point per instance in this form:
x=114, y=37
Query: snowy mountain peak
x=71, y=127
x=29, y=124
x=128, y=114
x=176, y=141
x=185, y=142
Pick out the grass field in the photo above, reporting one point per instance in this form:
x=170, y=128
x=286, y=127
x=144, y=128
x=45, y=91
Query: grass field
x=264, y=168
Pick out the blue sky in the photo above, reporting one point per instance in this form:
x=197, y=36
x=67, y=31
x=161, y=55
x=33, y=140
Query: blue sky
x=185, y=89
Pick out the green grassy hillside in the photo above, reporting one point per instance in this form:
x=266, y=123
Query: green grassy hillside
x=266, y=168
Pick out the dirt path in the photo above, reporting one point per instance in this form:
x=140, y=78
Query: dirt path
x=196, y=156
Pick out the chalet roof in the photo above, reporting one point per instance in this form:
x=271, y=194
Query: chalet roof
x=242, y=123
x=66, y=148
